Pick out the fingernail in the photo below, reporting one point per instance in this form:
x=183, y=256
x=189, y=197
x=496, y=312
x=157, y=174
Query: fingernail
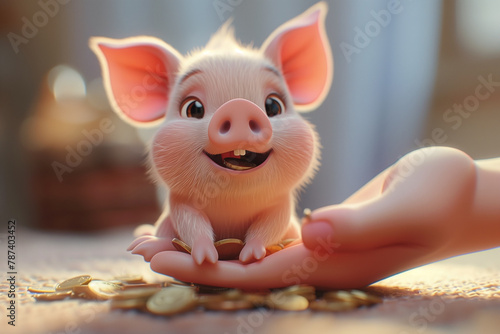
x=313, y=232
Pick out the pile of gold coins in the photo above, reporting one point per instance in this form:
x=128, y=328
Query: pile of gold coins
x=176, y=297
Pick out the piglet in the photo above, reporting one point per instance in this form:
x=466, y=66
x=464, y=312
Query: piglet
x=231, y=147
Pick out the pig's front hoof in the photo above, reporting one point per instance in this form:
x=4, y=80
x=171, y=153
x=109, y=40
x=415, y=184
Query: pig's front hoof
x=204, y=250
x=254, y=250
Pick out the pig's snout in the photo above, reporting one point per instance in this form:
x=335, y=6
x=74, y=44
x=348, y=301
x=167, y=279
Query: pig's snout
x=239, y=124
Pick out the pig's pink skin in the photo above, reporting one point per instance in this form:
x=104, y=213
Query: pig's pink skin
x=249, y=127
x=208, y=202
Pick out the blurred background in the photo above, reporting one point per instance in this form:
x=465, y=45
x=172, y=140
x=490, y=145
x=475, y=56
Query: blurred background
x=407, y=74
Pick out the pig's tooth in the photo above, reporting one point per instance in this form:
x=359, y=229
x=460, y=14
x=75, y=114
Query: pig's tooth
x=239, y=152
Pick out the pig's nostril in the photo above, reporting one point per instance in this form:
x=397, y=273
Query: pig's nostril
x=225, y=127
x=254, y=126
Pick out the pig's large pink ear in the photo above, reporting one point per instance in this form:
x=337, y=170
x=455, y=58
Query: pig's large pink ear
x=138, y=74
x=300, y=48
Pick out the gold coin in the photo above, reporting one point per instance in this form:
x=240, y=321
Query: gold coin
x=238, y=164
x=229, y=249
x=181, y=246
x=193, y=287
x=128, y=304
x=300, y=289
x=309, y=297
x=287, y=302
x=366, y=299
x=41, y=289
x=210, y=289
x=176, y=282
x=141, y=285
x=341, y=295
x=332, y=306
x=232, y=294
x=136, y=293
x=287, y=242
x=72, y=282
x=207, y=299
x=53, y=296
x=273, y=249
x=172, y=300
x=229, y=305
x=104, y=289
x=131, y=279
x=219, y=296
x=307, y=215
x=307, y=291
x=83, y=291
x=255, y=298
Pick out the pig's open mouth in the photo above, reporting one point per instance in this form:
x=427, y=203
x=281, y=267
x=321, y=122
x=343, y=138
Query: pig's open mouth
x=239, y=159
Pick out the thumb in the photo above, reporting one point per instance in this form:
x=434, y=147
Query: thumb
x=379, y=222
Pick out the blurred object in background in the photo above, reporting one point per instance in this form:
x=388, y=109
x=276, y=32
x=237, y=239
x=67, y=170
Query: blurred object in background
x=88, y=166
x=15, y=95
x=465, y=110
x=478, y=26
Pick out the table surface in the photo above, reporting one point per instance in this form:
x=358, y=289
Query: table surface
x=460, y=295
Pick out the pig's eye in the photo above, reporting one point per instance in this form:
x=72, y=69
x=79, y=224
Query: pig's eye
x=274, y=105
x=192, y=107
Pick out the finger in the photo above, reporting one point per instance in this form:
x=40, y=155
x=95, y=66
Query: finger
x=348, y=270
x=268, y=273
x=370, y=190
x=341, y=217
x=388, y=219
x=418, y=195
x=295, y=265
x=415, y=199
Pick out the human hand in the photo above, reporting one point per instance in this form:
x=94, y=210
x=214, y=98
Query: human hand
x=415, y=212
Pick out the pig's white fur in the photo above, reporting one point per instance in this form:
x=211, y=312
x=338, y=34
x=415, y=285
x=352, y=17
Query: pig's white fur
x=221, y=48
x=208, y=201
